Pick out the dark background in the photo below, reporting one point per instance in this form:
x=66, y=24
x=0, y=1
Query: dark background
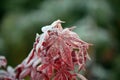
x=97, y=21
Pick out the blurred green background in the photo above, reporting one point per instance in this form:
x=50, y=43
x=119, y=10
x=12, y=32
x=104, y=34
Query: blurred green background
x=97, y=21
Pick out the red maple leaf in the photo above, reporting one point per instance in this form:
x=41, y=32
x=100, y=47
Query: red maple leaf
x=54, y=56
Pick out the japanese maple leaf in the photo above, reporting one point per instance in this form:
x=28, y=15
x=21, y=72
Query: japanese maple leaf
x=3, y=61
x=55, y=54
x=65, y=45
x=8, y=73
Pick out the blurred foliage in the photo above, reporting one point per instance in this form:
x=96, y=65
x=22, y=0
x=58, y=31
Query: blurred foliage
x=97, y=21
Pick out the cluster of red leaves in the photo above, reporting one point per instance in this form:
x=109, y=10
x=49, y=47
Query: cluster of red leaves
x=8, y=73
x=54, y=56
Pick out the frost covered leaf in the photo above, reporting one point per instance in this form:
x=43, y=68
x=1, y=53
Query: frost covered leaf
x=54, y=56
x=81, y=77
x=3, y=61
x=7, y=74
